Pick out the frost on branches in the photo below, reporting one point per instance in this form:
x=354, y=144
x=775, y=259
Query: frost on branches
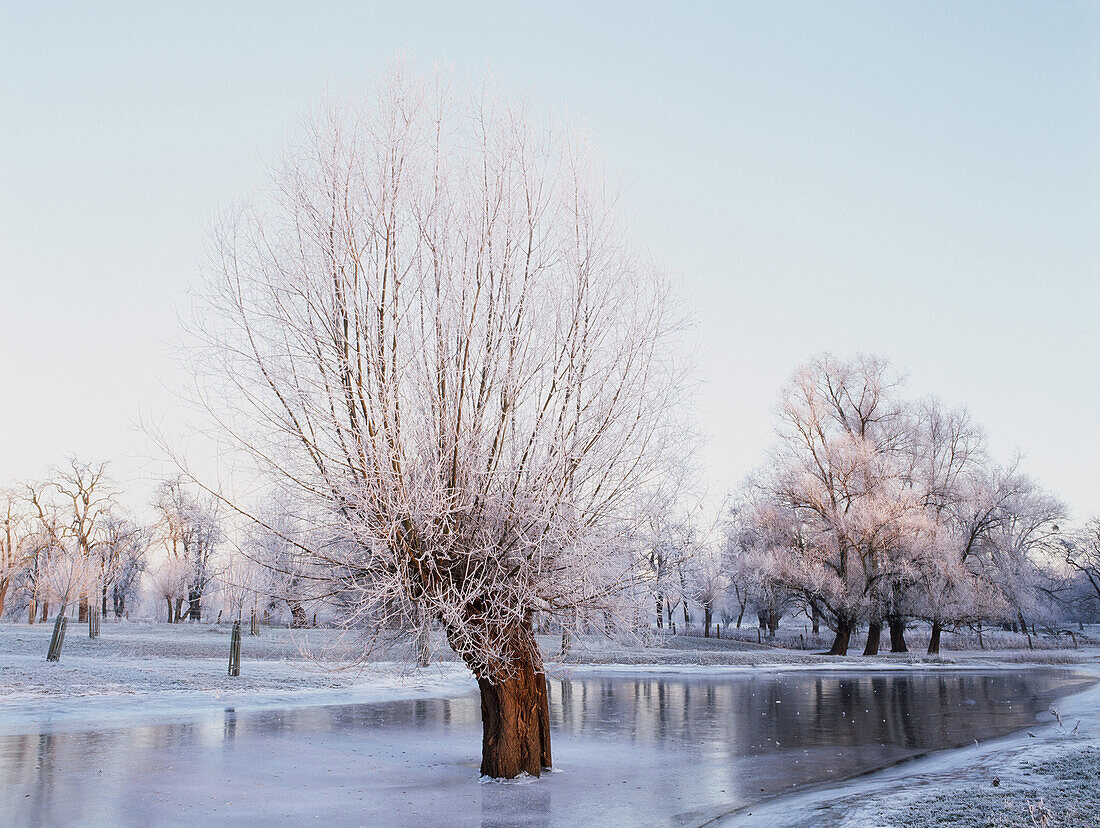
x=431, y=329
x=876, y=509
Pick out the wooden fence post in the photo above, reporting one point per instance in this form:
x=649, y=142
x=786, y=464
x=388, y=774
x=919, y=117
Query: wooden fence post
x=235, y=650
x=58, y=639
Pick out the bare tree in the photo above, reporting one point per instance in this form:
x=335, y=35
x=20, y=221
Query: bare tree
x=1082, y=554
x=708, y=577
x=88, y=494
x=840, y=467
x=276, y=543
x=15, y=552
x=191, y=531
x=122, y=558
x=1023, y=544
x=434, y=331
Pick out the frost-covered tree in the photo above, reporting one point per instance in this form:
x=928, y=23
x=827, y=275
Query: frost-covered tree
x=1024, y=543
x=432, y=328
x=69, y=515
x=122, y=558
x=1082, y=554
x=961, y=498
x=840, y=469
x=277, y=542
x=667, y=543
x=15, y=551
x=707, y=576
x=190, y=531
x=88, y=498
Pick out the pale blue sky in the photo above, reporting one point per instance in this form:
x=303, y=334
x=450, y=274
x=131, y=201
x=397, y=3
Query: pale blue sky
x=918, y=180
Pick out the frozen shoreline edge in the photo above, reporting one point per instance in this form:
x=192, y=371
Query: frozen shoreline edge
x=832, y=800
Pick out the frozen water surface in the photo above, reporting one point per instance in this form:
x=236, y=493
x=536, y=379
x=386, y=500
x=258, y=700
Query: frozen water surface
x=629, y=749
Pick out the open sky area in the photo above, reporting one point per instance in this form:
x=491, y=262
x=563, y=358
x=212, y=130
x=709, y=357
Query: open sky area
x=919, y=181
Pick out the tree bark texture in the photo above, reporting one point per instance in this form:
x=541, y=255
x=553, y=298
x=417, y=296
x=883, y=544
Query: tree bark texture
x=298, y=617
x=874, y=635
x=934, y=640
x=515, y=716
x=843, y=635
x=897, y=634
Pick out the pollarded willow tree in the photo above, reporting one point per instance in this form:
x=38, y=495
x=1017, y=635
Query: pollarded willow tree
x=432, y=328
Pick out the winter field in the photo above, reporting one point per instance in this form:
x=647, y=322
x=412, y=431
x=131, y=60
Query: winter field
x=158, y=678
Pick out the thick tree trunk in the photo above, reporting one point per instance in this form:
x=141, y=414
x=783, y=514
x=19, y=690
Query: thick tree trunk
x=82, y=612
x=32, y=611
x=179, y=610
x=874, y=634
x=45, y=611
x=298, y=618
x=773, y=624
x=169, y=602
x=934, y=641
x=194, y=604
x=843, y=635
x=103, y=607
x=815, y=619
x=897, y=634
x=707, y=614
x=515, y=715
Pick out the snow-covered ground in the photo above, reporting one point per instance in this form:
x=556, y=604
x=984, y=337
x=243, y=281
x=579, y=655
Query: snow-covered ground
x=144, y=673
x=141, y=673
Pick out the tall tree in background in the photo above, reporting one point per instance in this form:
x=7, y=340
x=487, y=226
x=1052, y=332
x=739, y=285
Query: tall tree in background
x=434, y=330
x=122, y=555
x=191, y=531
x=89, y=498
x=1082, y=554
x=15, y=552
x=840, y=466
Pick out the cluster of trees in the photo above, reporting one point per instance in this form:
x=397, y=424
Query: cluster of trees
x=66, y=540
x=875, y=510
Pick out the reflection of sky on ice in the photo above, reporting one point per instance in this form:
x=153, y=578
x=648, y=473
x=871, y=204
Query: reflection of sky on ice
x=628, y=748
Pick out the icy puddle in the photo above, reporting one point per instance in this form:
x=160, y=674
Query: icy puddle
x=630, y=749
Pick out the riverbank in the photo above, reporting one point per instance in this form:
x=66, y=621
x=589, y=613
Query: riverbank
x=167, y=669
x=1047, y=776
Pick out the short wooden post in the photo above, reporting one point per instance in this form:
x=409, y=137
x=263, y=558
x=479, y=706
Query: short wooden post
x=58, y=639
x=718, y=630
x=235, y=650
